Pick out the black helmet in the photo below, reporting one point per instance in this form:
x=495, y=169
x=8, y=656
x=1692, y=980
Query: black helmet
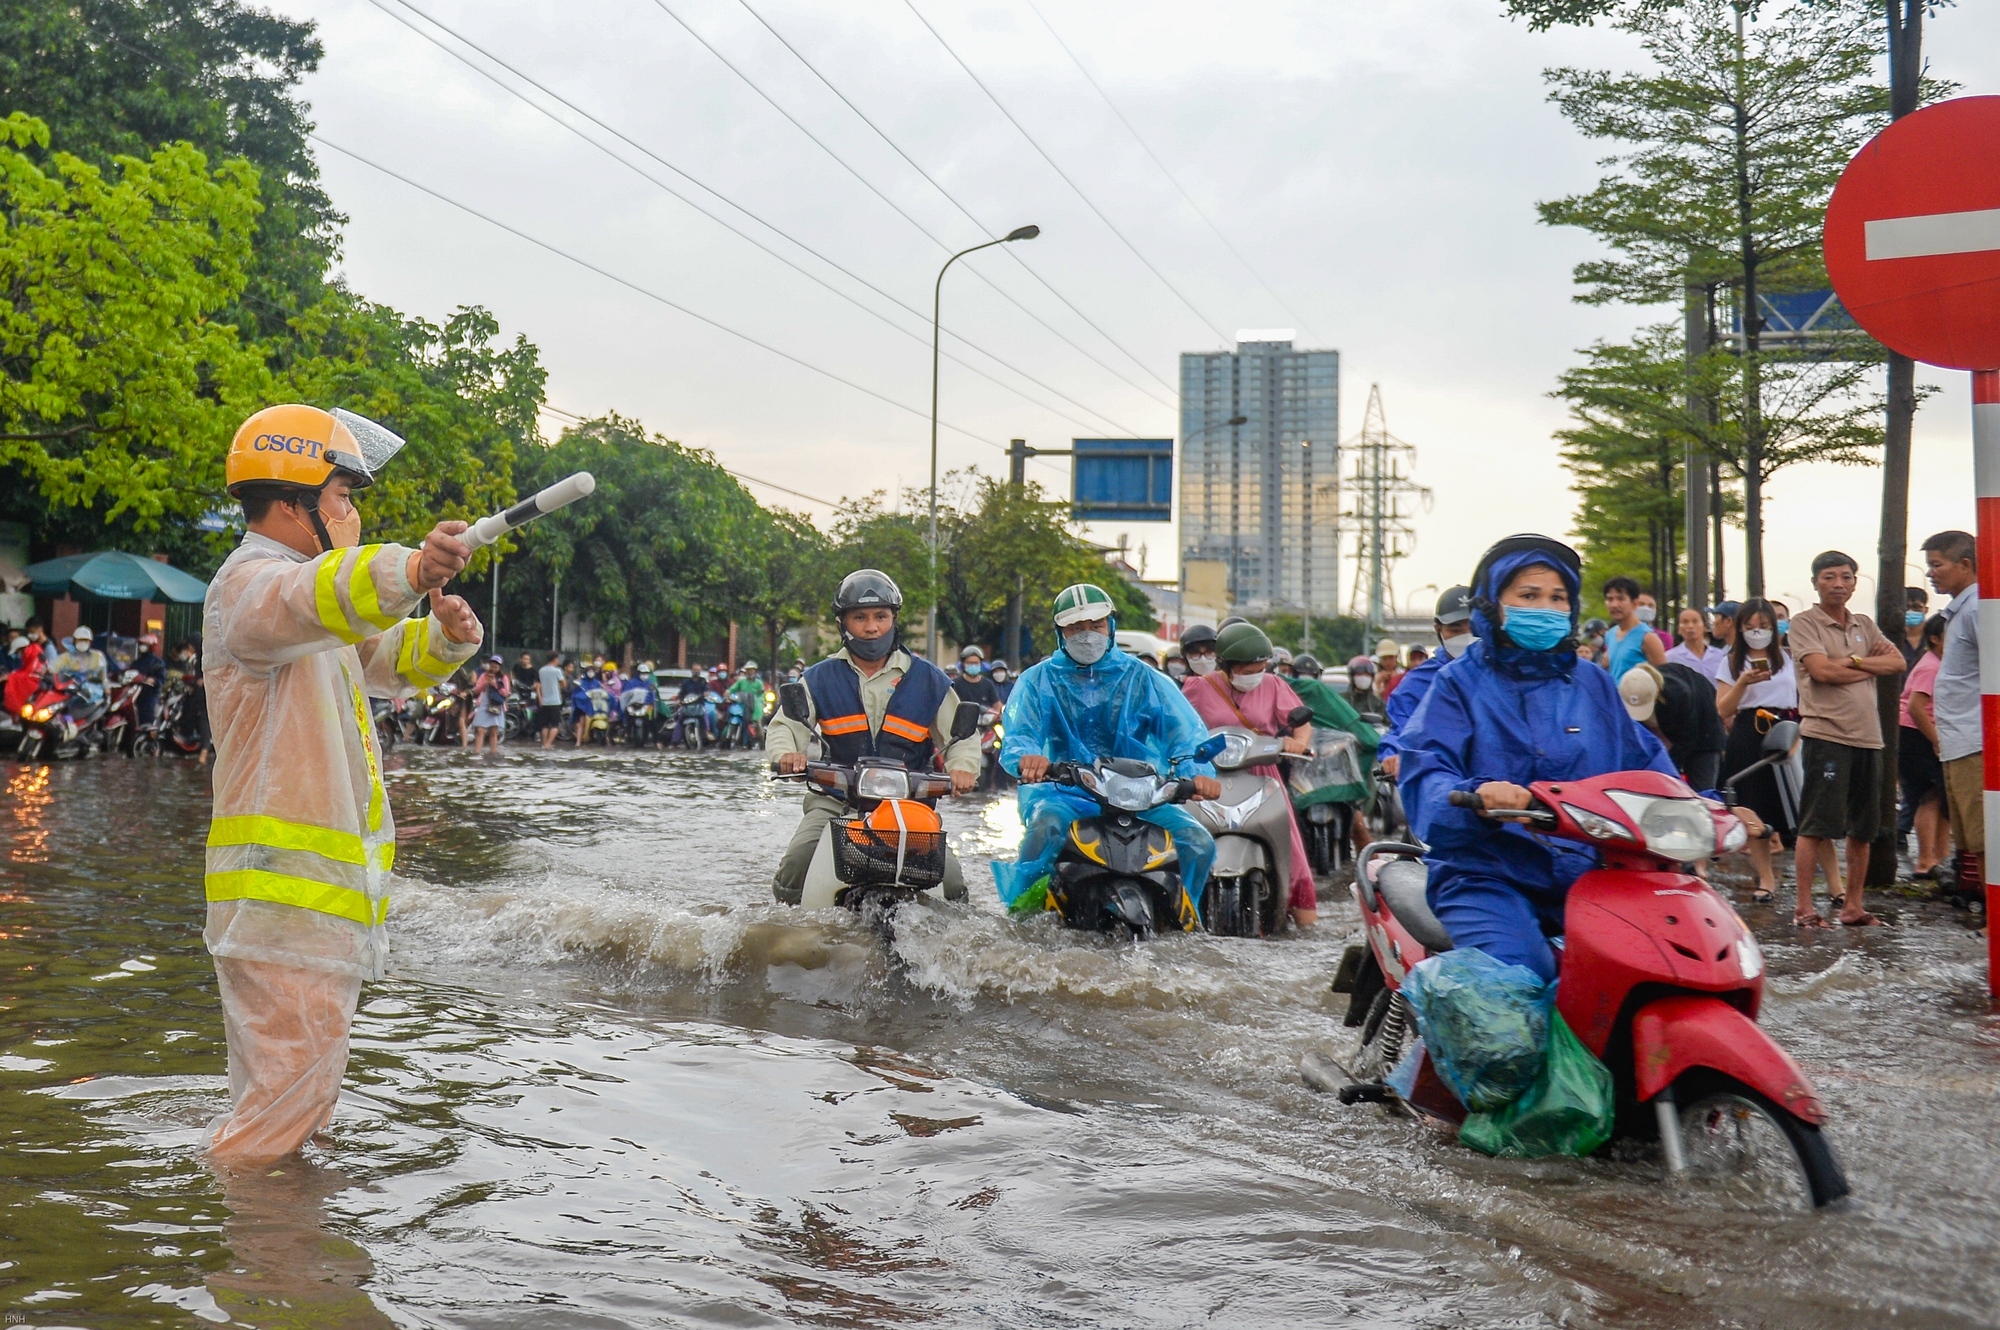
x=1307, y=665
x=1198, y=634
x=867, y=588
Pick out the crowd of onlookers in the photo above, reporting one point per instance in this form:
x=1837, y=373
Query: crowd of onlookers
x=1713, y=688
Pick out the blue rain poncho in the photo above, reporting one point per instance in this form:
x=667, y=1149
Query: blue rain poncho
x=1504, y=713
x=1066, y=712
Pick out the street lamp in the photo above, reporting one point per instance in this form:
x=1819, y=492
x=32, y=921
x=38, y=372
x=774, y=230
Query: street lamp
x=937, y=298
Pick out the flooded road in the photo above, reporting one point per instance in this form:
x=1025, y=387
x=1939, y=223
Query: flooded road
x=609, y=1083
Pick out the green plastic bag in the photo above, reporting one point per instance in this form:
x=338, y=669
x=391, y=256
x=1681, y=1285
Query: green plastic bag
x=1567, y=1111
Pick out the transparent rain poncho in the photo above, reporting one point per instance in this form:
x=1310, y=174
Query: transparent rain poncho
x=1119, y=707
x=301, y=843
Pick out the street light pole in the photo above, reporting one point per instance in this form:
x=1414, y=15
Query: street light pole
x=937, y=300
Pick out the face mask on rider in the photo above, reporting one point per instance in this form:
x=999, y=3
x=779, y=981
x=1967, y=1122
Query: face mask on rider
x=971, y=667
x=1535, y=629
x=1364, y=683
x=1759, y=638
x=1244, y=683
x=1087, y=648
x=1201, y=664
x=869, y=648
x=1177, y=669
x=1456, y=646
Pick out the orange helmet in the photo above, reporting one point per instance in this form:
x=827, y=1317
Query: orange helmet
x=303, y=446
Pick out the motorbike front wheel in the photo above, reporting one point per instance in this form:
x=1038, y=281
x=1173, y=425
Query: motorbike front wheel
x=1745, y=1151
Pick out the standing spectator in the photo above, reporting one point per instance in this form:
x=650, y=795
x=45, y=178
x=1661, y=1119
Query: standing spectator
x=1955, y=707
x=1629, y=641
x=1916, y=609
x=1677, y=703
x=1758, y=677
x=549, y=699
x=527, y=679
x=1649, y=614
x=1695, y=650
x=1388, y=668
x=1840, y=655
x=1722, y=626
x=1917, y=760
x=490, y=689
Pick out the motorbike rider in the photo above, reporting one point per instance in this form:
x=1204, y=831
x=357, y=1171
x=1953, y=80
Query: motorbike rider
x=1086, y=701
x=1198, y=648
x=303, y=621
x=83, y=662
x=973, y=683
x=1363, y=695
x=1514, y=708
x=1003, y=680
x=871, y=698
x=749, y=690
x=1258, y=699
x=1452, y=621
x=1281, y=664
x=1331, y=711
x=152, y=668
x=1175, y=664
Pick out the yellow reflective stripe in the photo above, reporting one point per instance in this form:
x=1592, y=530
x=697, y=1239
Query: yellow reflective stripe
x=254, y=829
x=256, y=884
x=387, y=853
x=415, y=660
x=406, y=652
x=365, y=723
x=362, y=589
x=326, y=595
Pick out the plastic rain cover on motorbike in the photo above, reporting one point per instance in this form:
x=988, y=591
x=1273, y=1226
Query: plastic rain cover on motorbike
x=1569, y=1110
x=301, y=844
x=1333, y=775
x=1485, y=1022
x=1119, y=707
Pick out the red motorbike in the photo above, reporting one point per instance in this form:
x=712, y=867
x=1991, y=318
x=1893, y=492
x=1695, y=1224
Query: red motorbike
x=119, y=728
x=1658, y=977
x=59, y=720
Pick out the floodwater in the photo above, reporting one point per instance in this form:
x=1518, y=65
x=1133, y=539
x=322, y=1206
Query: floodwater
x=609, y=1083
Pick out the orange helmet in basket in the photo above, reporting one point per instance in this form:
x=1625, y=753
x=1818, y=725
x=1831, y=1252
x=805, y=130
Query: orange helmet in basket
x=916, y=817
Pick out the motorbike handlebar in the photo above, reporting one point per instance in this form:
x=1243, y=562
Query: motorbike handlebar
x=1473, y=800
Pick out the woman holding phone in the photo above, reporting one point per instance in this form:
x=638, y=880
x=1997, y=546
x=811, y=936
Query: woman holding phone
x=1757, y=677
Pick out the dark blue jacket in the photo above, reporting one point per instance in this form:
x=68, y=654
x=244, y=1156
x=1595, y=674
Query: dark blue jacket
x=1501, y=712
x=1402, y=703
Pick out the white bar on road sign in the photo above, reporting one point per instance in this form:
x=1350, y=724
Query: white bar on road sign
x=1939, y=233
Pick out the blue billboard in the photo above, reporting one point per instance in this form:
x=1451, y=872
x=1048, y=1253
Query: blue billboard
x=1122, y=480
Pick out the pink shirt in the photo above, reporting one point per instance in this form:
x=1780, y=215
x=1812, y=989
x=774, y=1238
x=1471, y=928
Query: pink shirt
x=1921, y=679
x=1264, y=706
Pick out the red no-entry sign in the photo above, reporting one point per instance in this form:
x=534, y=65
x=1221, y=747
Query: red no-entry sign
x=1913, y=235
x=1913, y=247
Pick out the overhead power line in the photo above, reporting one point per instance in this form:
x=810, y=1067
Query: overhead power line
x=951, y=198
x=574, y=418
x=901, y=212
x=1171, y=178
x=1074, y=187
x=725, y=224
x=650, y=295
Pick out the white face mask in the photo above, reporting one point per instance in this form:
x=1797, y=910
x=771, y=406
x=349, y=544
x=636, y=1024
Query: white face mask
x=1364, y=683
x=1087, y=648
x=1758, y=637
x=1243, y=683
x=1201, y=664
x=1646, y=613
x=1456, y=646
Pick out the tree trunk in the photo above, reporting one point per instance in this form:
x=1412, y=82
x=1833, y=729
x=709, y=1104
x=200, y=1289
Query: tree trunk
x=1892, y=550
x=1753, y=327
x=1694, y=471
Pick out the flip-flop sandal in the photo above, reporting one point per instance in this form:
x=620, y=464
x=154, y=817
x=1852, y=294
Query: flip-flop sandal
x=1809, y=919
x=1761, y=897
x=1866, y=920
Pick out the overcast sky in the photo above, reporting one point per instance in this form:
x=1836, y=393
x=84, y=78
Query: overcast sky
x=1377, y=164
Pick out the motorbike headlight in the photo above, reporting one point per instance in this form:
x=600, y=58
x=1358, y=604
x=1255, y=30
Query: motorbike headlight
x=1233, y=752
x=999, y=731
x=28, y=711
x=45, y=713
x=1680, y=829
x=1603, y=828
x=882, y=783
x=1134, y=794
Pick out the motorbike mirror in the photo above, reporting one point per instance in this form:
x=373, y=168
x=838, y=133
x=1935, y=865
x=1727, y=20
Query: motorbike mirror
x=1782, y=736
x=964, y=721
x=1211, y=748
x=795, y=702
x=1298, y=716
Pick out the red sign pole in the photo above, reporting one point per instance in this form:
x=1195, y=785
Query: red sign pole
x=1986, y=483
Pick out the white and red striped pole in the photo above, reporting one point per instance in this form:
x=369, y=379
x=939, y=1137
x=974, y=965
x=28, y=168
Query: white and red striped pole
x=1986, y=482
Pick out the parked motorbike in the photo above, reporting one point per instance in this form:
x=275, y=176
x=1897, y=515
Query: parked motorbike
x=1116, y=873
x=119, y=728
x=1252, y=826
x=174, y=729
x=437, y=715
x=387, y=714
x=61, y=720
x=1659, y=979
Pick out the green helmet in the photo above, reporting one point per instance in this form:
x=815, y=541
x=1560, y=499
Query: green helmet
x=1241, y=643
x=1082, y=603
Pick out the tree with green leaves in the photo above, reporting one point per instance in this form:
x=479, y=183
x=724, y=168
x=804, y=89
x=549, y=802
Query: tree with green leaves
x=116, y=376
x=1733, y=144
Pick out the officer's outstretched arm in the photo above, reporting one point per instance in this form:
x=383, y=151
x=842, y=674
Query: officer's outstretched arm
x=273, y=611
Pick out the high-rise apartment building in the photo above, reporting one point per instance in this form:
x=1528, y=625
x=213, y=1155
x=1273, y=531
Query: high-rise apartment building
x=1262, y=497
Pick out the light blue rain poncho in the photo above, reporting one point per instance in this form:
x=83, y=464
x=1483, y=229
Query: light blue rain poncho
x=1067, y=712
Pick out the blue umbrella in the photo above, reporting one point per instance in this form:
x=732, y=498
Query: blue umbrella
x=115, y=575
